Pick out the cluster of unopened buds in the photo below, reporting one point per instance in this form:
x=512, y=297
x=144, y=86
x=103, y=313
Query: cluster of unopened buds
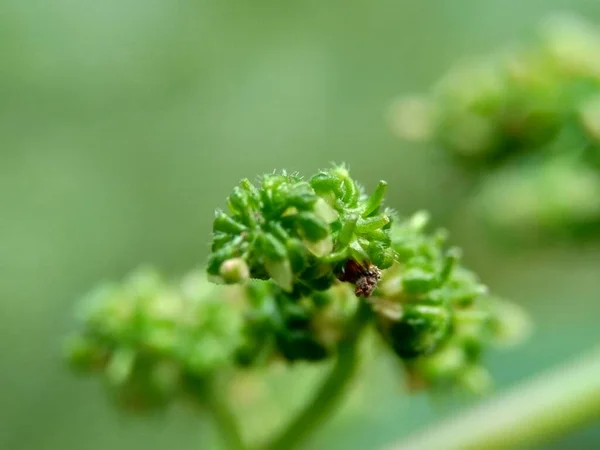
x=298, y=267
x=525, y=123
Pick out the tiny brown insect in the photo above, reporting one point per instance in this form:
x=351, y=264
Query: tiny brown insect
x=365, y=279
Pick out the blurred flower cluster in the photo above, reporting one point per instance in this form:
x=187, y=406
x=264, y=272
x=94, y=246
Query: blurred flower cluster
x=153, y=340
x=304, y=267
x=526, y=124
x=437, y=316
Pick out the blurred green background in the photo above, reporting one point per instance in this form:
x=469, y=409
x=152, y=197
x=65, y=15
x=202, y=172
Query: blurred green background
x=124, y=123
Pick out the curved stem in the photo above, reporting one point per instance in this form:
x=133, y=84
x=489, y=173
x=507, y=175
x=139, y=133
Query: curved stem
x=224, y=419
x=331, y=391
x=545, y=408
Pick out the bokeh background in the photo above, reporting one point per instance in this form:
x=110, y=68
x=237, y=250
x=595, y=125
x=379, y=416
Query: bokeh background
x=124, y=123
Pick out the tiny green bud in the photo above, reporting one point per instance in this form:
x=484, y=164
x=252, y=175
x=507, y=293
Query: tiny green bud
x=272, y=248
x=297, y=255
x=225, y=224
x=281, y=272
x=216, y=258
x=324, y=211
x=320, y=248
x=350, y=189
x=347, y=231
x=417, y=281
x=325, y=183
x=445, y=363
x=381, y=256
x=420, y=330
x=238, y=201
x=234, y=270
x=301, y=196
x=220, y=240
x=253, y=193
x=312, y=227
x=375, y=199
x=451, y=259
x=364, y=226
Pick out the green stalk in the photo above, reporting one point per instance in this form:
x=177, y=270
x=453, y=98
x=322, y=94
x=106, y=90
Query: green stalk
x=224, y=420
x=330, y=393
x=543, y=409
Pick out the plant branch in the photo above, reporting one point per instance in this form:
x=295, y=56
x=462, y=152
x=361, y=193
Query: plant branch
x=540, y=410
x=331, y=391
x=223, y=418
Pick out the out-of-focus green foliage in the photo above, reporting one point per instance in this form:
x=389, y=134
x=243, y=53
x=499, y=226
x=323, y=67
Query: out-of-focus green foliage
x=153, y=341
x=124, y=121
x=436, y=315
x=526, y=123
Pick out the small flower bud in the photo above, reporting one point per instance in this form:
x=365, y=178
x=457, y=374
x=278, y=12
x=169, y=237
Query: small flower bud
x=418, y=281
x=234, y=270
x=325, y=183
x=320, y=248
x=271, y=247
x=238, y=201
x=419, y=331
x=297, y=255
x=225, y=224
x=281, y=272
x=364, y=226
x=373, y=203
x=301, y=196
x=312, y=227
x=324, y=211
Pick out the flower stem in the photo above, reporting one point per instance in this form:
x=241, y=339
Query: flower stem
x=223, y=418
x=549, y=406
x=331, y=391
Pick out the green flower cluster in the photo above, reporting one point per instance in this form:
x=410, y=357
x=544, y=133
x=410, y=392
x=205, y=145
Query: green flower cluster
x=154, y=341
x=434, y=313
x=316, y=261
x=280, y=326
x=300, y=232
x=457, y=362
x=530, y=117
